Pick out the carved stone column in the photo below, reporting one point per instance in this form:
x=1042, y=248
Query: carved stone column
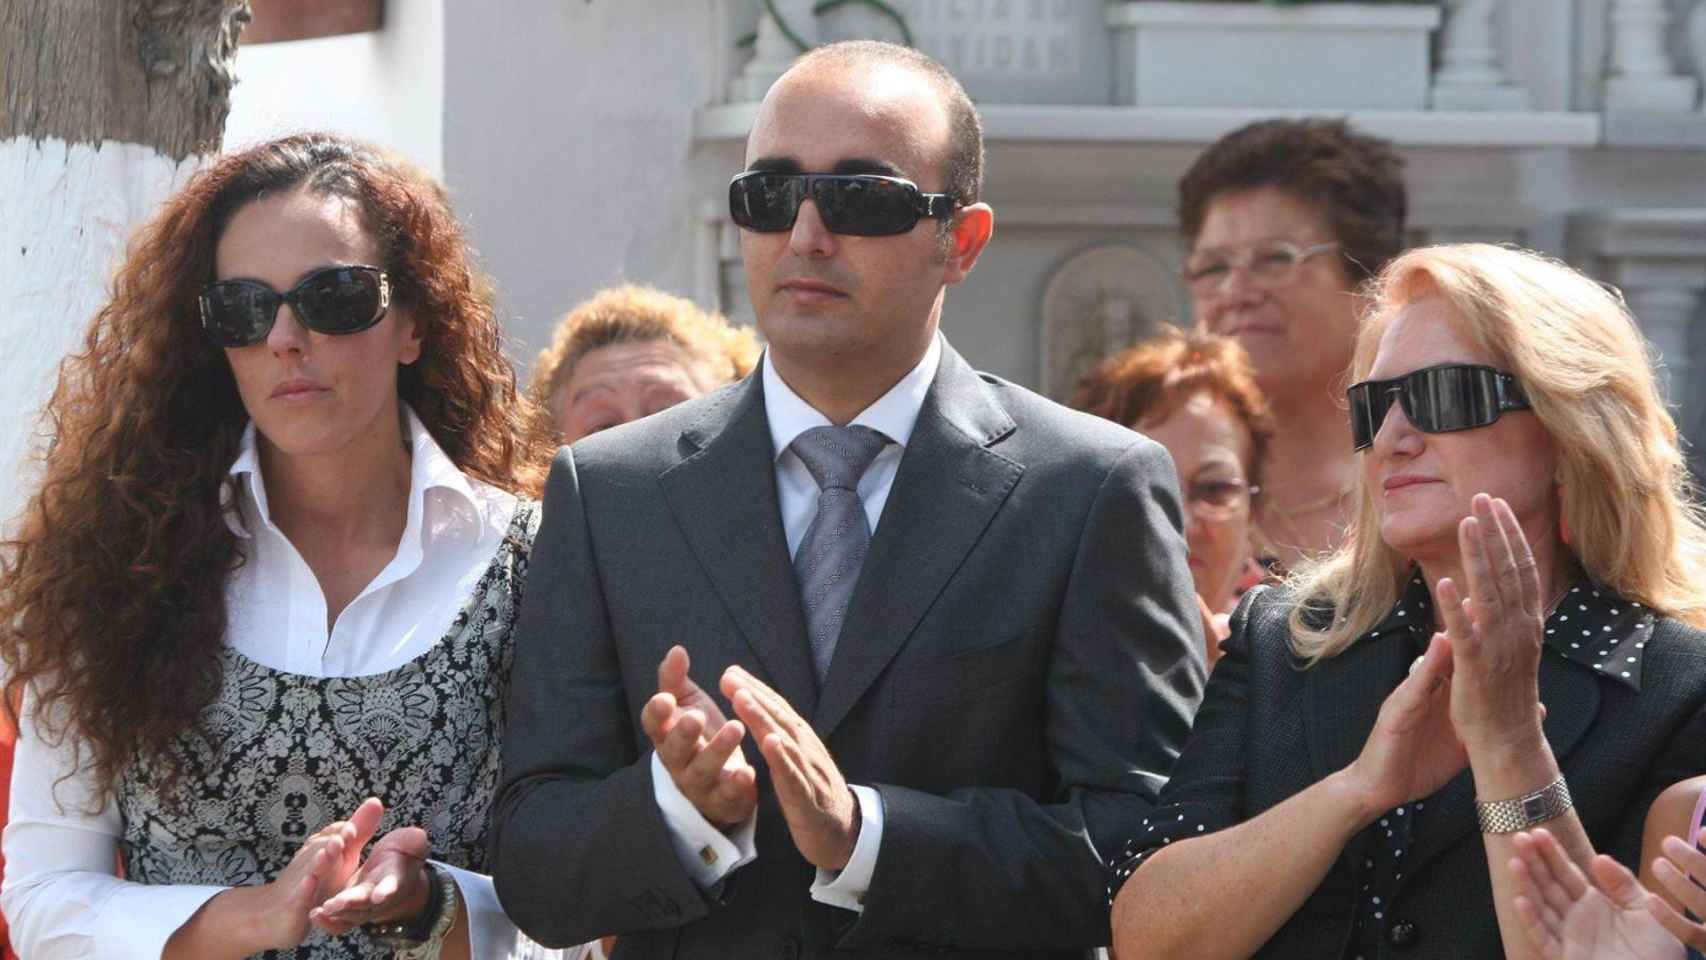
x=1639, y=72
x=1696, y=33
x=1657, y=257
x=1470, y=76
x=775, y=50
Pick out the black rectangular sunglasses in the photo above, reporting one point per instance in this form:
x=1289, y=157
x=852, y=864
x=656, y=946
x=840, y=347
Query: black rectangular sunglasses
x=1438, y=399
x=859, y=205
x=330, y=300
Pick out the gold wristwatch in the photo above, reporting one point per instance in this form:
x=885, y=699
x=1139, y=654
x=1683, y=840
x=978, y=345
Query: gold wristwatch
x=1529, y=810
x=423, y=937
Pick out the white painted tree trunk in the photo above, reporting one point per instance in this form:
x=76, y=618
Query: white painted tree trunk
x=106, y=107
x=67, y=211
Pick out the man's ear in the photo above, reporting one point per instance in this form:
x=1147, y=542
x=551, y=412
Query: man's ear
x=967, y=236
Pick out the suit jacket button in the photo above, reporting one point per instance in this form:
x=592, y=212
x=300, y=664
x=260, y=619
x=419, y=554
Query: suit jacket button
x=1402, y=933
x=790, y=949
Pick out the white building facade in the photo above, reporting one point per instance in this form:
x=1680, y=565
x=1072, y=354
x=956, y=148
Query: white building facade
x=587, y=142
x=592, y=142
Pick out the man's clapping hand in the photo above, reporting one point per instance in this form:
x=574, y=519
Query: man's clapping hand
x=698, y=746
x=822, y=813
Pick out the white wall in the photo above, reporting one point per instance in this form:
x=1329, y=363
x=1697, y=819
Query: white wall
x=568, y=137
x=386, y=86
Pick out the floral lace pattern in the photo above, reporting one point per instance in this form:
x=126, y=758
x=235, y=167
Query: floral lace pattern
x=280, y=755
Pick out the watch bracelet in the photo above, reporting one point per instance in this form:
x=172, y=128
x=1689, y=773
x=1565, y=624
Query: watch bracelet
x=1529, y=810
x=422, y=938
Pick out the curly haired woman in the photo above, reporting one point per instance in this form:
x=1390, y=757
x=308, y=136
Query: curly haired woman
x=258, y=612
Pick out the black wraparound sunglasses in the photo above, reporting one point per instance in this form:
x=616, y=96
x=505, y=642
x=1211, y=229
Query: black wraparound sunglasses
x=860, y=205
x=331, y=300
x=1438, y=399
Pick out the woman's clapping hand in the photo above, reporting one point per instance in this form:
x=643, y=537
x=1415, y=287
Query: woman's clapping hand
x=391, y=885
x=1412, y=750
x=1613, y=917
x=1495, y=633
x=322, y=867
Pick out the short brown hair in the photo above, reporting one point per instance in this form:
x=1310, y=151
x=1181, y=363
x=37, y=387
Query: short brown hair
x=640, y=314
x=962, y=169
x=1150, y=380
x=1356, y=181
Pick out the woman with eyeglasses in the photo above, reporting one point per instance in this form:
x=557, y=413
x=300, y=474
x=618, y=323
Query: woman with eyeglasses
x=1283, y=219
x=1509, y=636
x=1194, y=394
x=259, y=609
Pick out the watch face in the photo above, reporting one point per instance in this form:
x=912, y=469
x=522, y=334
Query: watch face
x=1534, y=808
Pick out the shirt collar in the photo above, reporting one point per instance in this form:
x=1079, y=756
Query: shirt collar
x=894, y=414
x=1591, y=626
x=430, y=468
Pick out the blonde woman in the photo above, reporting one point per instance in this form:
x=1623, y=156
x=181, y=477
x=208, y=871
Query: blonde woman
x=1374, y=733
x=631, y=351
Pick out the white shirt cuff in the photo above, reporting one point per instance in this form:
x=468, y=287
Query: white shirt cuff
x=705, y=852
x=846, y=888
x=137, y=920
x=490, y=934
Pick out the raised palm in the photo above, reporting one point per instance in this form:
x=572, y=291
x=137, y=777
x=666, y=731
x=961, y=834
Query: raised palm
x=1568, y=918
x=1595, y=928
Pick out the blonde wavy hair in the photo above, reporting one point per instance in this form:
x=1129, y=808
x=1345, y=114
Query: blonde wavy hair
x=1634, y=517
x=639, y=314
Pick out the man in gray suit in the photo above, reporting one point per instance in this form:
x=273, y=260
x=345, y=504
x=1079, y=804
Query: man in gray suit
x=950, y=623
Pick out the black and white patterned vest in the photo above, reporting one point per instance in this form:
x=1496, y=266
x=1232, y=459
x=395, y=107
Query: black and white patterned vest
x=285, y=754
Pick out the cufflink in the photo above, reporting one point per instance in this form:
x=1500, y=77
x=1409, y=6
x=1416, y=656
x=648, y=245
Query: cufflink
x=708, y=855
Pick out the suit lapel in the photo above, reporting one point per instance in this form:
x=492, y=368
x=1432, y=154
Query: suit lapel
x=1571, y=695
x=948, y=488
x=723, y=496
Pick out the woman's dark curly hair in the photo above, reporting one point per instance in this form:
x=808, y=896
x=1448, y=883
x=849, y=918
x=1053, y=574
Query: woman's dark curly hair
x=112, y=609
x=1355, y=181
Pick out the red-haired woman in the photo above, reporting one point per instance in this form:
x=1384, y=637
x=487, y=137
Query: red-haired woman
x=258, y=611
x=1196, y=395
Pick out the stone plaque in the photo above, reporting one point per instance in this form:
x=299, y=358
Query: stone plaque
x=1101, y=300
x=1004, y=51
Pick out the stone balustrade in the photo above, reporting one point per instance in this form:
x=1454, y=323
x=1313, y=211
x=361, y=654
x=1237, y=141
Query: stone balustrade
x=1573, y=128
x=1637, y=56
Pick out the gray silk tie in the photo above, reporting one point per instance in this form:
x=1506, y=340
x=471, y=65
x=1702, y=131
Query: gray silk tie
x=828, y=561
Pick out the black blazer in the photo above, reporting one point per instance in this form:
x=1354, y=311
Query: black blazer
x=1269, y=728
x=1018, y=667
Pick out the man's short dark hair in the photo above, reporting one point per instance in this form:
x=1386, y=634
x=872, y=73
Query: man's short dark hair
x=1355, y=181
x=962, y=169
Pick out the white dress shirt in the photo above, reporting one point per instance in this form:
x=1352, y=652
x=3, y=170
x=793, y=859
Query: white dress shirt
x=705, y=851
x=61, y=893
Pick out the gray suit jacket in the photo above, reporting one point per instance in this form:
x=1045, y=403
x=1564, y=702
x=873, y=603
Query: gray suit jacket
x=1016, y=674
